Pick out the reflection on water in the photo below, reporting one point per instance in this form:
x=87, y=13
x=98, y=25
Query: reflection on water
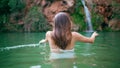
x=62, y=55
x=19, y=50
x=87, y=46
x=64, y=63
x=63, y=60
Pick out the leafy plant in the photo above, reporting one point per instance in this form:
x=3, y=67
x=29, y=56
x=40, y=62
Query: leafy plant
x=36, y=19
x=78, y=15
x=16, y=5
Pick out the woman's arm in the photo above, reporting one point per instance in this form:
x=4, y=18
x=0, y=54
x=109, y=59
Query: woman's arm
x=42, y=41
x=81, y=38
x=46, y=38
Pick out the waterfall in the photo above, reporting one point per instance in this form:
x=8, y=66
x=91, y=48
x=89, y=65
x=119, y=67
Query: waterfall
x=88, y=17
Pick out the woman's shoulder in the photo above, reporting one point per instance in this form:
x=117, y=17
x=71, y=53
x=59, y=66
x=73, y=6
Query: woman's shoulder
x=75, y=33
x=48, y=32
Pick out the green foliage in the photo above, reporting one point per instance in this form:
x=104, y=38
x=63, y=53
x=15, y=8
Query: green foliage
x=16, y=5
x=15, y=10
x=33, y=15
x=116, y=10
x=78, y=15
x=4, y=18
x=96, y=19
x=4, y=8
x=4, y=13
x=7, y=8
x=36, y=19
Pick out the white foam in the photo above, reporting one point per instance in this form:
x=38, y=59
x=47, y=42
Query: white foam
x=19, y=46
x=37, y=66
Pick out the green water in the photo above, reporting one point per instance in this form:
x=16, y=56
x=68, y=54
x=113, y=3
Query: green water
x=21, y=50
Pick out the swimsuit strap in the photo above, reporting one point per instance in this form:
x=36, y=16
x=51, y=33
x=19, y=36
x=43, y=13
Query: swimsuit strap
x=61, y=50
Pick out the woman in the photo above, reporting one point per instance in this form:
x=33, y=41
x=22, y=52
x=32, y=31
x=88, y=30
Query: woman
x=61, y=38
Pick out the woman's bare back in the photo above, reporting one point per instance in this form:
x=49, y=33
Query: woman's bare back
x=75, y=37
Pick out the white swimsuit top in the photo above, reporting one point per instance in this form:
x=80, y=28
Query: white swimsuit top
x=61, y=54
x=61, y=50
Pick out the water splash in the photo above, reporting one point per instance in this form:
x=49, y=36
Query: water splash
x=25, y=45
x=18, y=46
x=88, y=17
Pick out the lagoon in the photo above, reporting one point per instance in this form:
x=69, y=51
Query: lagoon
x=21, y=50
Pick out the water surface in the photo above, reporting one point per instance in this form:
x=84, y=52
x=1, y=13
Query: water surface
x=21, y=50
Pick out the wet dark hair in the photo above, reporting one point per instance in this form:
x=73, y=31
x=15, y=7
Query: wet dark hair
x=62, y=30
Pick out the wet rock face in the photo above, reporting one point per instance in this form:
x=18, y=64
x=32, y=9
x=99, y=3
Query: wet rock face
x=107, y=10
x=118, y=1
x=51, y=8
x=104, y=8
x=114, y=24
